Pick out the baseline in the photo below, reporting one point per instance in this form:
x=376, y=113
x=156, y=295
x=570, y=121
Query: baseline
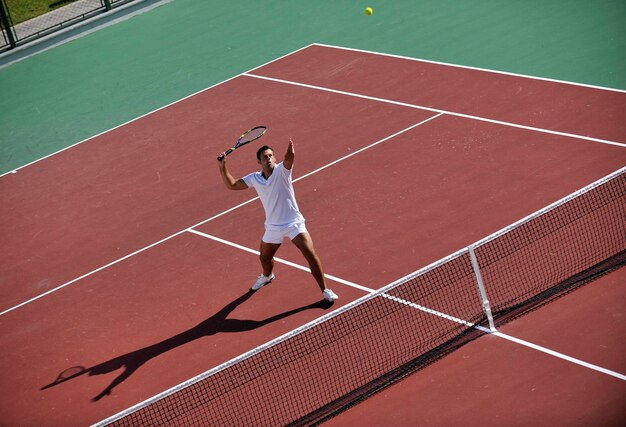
x=467, y=67
x=143, y=115
x=569, y=109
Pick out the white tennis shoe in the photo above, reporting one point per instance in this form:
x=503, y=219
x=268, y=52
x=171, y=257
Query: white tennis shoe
x=262, y=281
x=329, y=295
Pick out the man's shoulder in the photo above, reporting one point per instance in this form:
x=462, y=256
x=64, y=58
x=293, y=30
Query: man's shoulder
x=251, y=177
x=281, y=168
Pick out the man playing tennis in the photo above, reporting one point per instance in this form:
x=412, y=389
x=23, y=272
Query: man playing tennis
x=282, y=216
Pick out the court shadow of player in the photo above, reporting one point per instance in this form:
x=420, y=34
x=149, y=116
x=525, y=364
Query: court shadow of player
x=218, y=323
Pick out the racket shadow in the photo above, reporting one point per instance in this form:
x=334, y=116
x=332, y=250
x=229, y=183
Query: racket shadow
x=218, y=323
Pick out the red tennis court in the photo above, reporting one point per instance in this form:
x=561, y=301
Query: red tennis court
x=126, y=255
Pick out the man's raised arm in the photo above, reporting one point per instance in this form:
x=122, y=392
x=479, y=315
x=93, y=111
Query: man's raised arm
x=289, y=156
x=230, y=182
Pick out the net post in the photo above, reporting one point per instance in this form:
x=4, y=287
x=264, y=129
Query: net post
x=481, y=288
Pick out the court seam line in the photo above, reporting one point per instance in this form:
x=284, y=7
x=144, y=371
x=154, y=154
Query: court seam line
x=149, y=113
x=427, y=310
x=437, y=110
x=210, y=219
x=469, y=67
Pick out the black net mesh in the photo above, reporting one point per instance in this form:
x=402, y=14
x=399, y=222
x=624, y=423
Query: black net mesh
x=354, y=352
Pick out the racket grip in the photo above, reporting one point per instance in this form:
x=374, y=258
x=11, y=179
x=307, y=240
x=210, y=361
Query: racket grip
x=230, y=150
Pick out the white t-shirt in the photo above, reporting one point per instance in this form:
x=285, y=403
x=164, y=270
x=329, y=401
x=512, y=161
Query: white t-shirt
x=278, y=197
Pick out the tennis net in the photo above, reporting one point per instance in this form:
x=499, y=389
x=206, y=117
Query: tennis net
x=306, y=376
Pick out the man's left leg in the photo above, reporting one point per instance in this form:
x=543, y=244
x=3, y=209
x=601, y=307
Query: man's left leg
x=304, y=242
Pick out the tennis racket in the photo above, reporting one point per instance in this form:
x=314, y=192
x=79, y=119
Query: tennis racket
x=245, y=138
x=67, y=375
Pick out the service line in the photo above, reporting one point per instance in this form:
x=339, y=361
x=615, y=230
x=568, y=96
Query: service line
x=213, y=217
x=436, y=110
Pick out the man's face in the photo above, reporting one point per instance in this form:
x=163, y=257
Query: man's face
x=267, y=159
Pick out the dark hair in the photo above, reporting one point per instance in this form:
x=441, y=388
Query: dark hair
x=262, y=149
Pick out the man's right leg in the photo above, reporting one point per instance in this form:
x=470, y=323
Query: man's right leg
x=267, y=262
x=268, y=250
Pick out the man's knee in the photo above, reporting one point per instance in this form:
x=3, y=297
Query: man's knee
x=265, y=258
x=267, y=252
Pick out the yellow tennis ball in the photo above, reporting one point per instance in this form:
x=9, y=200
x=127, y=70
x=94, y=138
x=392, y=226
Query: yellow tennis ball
x=369, y=11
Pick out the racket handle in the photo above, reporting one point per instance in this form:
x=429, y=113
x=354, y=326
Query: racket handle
x=230, y=150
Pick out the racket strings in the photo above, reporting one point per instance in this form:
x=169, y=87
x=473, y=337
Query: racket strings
x=252, y=134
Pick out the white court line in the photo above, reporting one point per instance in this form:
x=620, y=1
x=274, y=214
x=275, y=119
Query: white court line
x=345, y=282
x=280, y=260
x=487, y=70
x=138, y=251
x=210, y=219
x=560, y=355
x=369, y=146
x=370, y=294
x=148, y=113
x=339, y=48
x=440, y=112
x=430, y=311
x=436, y=110
x=88, y=274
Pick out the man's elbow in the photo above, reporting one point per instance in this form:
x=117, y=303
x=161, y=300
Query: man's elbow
x=237, y=185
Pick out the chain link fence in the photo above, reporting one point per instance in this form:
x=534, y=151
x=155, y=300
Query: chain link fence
x=48, y=23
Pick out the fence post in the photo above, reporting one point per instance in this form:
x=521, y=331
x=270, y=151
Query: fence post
x=6, y=23
x=107, y=4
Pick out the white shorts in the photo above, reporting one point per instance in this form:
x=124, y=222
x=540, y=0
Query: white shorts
x=277, y=236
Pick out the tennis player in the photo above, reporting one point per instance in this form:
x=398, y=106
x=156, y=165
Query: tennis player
x=283, y=219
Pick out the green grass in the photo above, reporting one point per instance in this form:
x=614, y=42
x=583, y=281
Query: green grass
x=23, y=10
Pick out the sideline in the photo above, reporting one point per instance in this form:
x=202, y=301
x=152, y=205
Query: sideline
x=145, y=248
